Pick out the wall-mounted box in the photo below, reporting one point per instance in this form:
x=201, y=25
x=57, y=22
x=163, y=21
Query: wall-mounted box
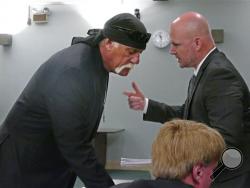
x=40, y=17
x=218, y=35
x=5, y=39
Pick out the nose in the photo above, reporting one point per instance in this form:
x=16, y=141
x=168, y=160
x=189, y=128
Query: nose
x=136, y=58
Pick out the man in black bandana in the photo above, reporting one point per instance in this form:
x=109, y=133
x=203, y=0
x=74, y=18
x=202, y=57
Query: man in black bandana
x=45, y=141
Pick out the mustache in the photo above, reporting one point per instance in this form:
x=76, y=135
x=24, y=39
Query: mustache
x=120, y=68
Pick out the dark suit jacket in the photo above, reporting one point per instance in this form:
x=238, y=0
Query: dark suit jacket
x=158, y=183
x=220, y=99
x=45, y=140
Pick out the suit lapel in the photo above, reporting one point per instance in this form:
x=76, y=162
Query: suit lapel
x=197, y=80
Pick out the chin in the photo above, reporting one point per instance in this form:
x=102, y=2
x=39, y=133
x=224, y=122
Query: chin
x=182, y=66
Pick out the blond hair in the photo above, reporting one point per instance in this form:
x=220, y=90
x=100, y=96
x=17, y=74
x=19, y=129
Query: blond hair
x=180, y=144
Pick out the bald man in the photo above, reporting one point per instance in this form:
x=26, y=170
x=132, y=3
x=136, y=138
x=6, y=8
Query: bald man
x=217, y=94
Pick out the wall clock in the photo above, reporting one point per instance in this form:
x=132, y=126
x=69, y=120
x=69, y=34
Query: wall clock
x=160, y=38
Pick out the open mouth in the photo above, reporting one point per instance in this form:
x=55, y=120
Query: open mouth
x=122, y=68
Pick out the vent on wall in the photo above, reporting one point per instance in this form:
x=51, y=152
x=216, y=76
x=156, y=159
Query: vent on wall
x=218, y=35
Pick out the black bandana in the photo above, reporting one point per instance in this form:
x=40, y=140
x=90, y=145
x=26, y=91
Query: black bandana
x=123, y=28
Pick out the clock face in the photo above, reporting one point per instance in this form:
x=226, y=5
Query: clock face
x=160, y=38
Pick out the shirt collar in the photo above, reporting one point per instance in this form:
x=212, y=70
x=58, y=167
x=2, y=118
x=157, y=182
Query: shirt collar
x=199, y=66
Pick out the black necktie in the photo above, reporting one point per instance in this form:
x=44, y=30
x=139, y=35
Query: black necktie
x=190, y=91
x=191, y=86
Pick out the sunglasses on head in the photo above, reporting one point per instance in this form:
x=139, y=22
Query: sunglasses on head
x=134, y=35
x=93, y=31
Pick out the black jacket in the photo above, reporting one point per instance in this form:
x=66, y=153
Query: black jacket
x=45, y=140
x=220, y=99
x=158, y=183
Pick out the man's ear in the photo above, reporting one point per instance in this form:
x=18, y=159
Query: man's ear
x=198, y=172
x=108, y=44
x=198, y=43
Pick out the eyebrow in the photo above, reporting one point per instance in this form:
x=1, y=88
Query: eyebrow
x=175, y=44
x=134, y=50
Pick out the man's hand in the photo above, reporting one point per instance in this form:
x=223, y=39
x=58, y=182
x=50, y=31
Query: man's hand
x=136, y=99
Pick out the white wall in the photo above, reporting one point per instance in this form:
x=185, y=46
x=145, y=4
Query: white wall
x=158, y=73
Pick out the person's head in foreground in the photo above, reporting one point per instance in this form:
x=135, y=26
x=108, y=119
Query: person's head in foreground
x=187, y=151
